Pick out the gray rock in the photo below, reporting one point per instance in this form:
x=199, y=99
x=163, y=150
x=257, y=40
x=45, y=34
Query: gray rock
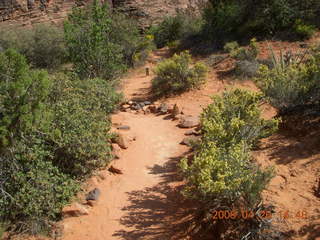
x=93, y=195
x=247, y=68
x=189, y=122
x=147, y=103
x=123, y=127
x=163, y=108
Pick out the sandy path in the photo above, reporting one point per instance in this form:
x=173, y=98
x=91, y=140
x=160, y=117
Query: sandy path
x=140, y=203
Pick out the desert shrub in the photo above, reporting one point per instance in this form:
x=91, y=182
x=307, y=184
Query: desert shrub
x=22, y=93
x=290, y=83
x=235, y=117
x=230, y=20
x=32, y=189
x=175, y=28
x=231, y=46
x=241, y=54
x=80, y=135
x=175, y=75
x=222, y=176
x=102, y=43
x=43, y=45
x=304, y=31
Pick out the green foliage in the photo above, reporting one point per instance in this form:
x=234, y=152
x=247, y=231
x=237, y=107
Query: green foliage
x=102, y=43
x=234, y=19
x=304, y=31
x=290, y=83
x=222, y=175
x=43, y=45
x=234, y=118
x=241, y=53
x=231, y=46
x=54, y=131
x=175, y=28
x=34, y=191
x=175, y=75
x=79, y=124
x=22, y=93
x=88, y=38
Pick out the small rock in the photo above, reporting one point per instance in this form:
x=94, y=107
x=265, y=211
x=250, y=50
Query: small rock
x=114, y=170
x=116, y=155
x=163, y=108
x=136, y=107
x=175, y=111
x=141, y=104
x=188, y=133
x=146, y=110
x=122, y=141
x=93, y=195
x=189, y=141
x=125, y=106
x=189, y=122
x=102, y=175
x=153, y=108
x=303, y=45
x=92, y=203
x=130, y=102
x=74, y=210
x=147, y=103
x=178, y=117
x=123, y=127
x=115, y=147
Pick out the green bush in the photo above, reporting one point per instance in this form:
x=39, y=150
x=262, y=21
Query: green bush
x=175, y=28
x=290, y=83
x=231, y=46
x=222, y=176
x=304, y=31
x=102, y=43
x=175, y=75
x=22, y=93
x=80, y=128
x=54, y=131
x=235, y=117
x=43, y=45
x=234, y=19
x=32, y=189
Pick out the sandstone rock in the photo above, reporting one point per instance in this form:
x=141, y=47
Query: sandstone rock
x=122, y=141
x=92, y=203
x=175, y=111
x=74, y=210
x=114, y=170
x=189, y=132
x=130, y=102
x=153, y=108
x=189, y=140
x=93, y=195
x=189, y=122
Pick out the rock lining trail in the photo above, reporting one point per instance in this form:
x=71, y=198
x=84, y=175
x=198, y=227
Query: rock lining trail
x=142, y=202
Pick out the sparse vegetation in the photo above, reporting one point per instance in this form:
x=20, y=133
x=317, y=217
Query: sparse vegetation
x=175, y=75
x=43, y=45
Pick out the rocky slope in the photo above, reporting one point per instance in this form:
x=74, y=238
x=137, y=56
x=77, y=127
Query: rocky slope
x=29, y=12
